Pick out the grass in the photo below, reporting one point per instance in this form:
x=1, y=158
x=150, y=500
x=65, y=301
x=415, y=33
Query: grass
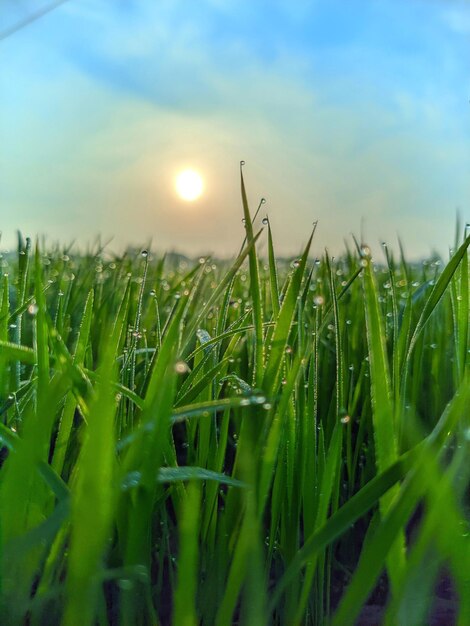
x=255, y=442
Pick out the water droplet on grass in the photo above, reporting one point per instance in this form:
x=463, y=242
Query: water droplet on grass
x=181, y=367
x=144, y=253
x=265, y=220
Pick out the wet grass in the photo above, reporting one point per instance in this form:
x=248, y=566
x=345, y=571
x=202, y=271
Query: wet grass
x=232, y=443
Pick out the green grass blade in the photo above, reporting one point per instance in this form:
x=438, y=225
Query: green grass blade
x=383, y=412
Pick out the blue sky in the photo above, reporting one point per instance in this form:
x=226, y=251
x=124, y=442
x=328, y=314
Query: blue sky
x=347, y=112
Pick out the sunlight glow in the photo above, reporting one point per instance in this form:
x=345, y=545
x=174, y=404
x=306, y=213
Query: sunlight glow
x=189, y=185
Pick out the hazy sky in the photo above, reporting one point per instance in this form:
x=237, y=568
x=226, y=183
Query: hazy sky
x=341, y=109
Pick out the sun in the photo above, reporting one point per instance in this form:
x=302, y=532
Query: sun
x=189, y=185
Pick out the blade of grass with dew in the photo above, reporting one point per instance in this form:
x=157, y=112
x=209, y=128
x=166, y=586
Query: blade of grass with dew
x=23, y=270
x=25, y=497
x=246, y=570
x=4, y=312
x=437, y=293
x=255, y=289
x=218, y=291
x=65, y=424
x=144, y=456
x=14, y=352
x=176, y=474
x=94, y=496
x=463, y=316
x=383, y=413
x=92, y=501
x=194, y=392
x=329, y=478
x=283, y=325
x=185, y=610
x=41, y=336
x=273, y=279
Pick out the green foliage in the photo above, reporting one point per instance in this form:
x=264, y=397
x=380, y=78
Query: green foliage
x=231, y=443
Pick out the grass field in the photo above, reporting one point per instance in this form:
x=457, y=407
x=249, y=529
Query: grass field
x=256, y=442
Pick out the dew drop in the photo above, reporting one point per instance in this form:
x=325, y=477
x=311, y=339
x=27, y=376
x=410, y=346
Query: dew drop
x=144, y=253
x=181, y=367
x=265, y=220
